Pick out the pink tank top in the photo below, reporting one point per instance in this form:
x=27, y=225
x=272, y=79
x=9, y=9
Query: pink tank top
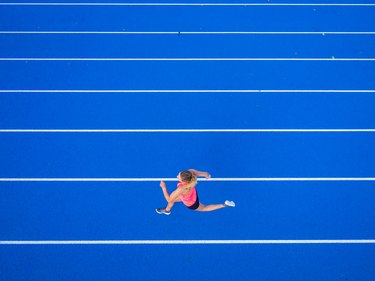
x=189, y=198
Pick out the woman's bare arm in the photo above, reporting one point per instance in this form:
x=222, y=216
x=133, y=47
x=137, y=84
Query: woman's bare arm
x=165, y=190
x=200, y=174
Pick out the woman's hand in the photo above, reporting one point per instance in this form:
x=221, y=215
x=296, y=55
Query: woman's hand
x=163, y=185
x=208, y=176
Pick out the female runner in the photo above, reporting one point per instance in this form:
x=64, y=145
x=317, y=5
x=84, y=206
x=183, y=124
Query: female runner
x=186, y=193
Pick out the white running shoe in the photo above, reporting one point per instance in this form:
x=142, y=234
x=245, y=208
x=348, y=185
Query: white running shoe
x=229, y=203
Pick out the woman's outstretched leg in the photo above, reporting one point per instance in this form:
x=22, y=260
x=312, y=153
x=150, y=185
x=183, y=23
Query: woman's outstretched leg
x=209, y=208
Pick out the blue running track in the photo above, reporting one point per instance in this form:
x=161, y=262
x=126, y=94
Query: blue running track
x=80, y=205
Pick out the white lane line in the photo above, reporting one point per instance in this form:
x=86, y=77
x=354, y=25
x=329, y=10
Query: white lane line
x=188, y=4
x=182, y=242
x=188, y=59
x=187, y=130
x=174, y=179
x=197, y=32
x=188, y=91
